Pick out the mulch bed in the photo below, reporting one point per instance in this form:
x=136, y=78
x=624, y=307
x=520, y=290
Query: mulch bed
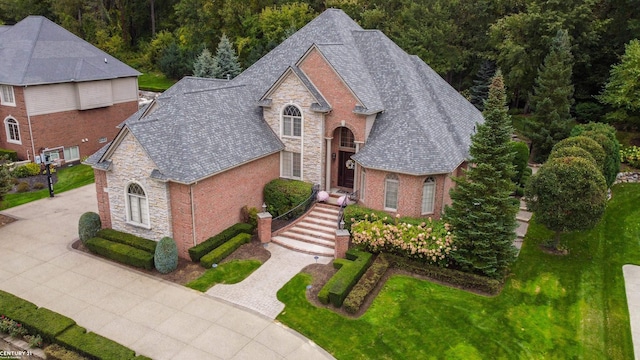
x=38, y=179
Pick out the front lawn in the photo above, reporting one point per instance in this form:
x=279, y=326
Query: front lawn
x=69, y=178
x=552, y=307
x=227, y=273
x=154, y=82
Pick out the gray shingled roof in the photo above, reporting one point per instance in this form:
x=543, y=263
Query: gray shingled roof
x=38, y=51
x=200, y=127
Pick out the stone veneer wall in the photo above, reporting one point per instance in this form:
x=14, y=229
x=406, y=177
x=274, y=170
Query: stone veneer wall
x=131, y=163
x=291, y=91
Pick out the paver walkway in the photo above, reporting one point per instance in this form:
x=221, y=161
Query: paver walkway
x=153, y=317
x=258, y=291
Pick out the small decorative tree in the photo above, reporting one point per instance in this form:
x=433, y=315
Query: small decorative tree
x=166, y=256
x=605, y=135
x=88, y=226
x=227, y=64
x=590, y=145
x=205, y=65
x=567, y=194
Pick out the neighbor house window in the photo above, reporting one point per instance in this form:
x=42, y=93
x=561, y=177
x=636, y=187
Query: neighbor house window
x=13, y=130
x=428, y=195
x=137, y=204
x=291, y=121
x=71, y=153
x=6, y=95
x=391, y=192
x=291, y=165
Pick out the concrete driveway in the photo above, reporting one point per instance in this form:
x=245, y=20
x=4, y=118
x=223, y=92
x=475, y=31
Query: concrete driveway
x=153, y=317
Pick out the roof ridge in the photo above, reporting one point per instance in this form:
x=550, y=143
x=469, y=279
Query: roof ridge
x=214, y=89
x=33, y=48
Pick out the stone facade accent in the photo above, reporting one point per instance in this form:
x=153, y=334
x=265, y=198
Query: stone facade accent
x=130, y=163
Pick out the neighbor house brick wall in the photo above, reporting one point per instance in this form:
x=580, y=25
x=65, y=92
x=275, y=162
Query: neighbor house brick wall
x=103, y=198
x=219, y=199
x=130, y=163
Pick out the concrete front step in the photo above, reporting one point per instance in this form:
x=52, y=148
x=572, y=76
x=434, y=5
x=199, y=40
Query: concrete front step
x=333, y=223
x=329, y=209
x=312, y=225
x=323, y=215
x=302, y=246
x=296, y=235
x=521, y=230
x=328, y=234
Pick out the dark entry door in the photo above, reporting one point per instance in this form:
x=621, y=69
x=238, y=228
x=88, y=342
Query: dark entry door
x=346, y=169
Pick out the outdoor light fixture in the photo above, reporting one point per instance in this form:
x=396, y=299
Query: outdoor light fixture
x=316, y=257
x=264, y=207
x=342, y=224
x=214, y=266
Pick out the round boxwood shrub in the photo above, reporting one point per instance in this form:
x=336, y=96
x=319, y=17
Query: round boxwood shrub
x=166, y=256
x=588, y=144
x=282, y=195
x=571, y=151
x=88, y=226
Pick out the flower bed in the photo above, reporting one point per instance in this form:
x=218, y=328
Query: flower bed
x=430, y=241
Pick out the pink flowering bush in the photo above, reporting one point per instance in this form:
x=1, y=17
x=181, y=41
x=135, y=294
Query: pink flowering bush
x=431, y=241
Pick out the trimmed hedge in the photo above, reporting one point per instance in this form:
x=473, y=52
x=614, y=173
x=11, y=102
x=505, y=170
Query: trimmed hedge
x=128, y=239
x=12, y=155
x=366, y=284
x=448, y=276
x=282, y=195
x=216, y=255
x=205, y=247
x=93, y=345
x=88, y=226
x=57, y=352
x=121, y=253
x=350, y=271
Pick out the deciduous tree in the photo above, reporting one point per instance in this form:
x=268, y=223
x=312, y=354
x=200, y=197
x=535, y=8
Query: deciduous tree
x=622, y=91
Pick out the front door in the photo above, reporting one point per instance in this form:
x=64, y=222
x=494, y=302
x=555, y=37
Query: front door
x=346, y=169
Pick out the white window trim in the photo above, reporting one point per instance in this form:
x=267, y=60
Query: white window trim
x=69, y=148
x=432, y=184
x=363, y=181
x=4, y=101
x=386, y=186
x=6, y=129
x=128, y=207
x=282, y=127
x=282, y=165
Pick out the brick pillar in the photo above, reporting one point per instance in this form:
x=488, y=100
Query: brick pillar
x=342, y=243
x=264, y=227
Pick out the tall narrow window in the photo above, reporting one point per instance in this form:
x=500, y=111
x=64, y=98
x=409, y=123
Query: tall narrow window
x=291, y=165
x=391, y=192
x=6, y=95
x=346, y=138
x=291, y=121
x=363, y=181
x=13, y=130
x=428, y=195
x=138, y=212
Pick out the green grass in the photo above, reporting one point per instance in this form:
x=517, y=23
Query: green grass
x=154, y=82
x=552, y=307
x=68, y=179
x=228, y=273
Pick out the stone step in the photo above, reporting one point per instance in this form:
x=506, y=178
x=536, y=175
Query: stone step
x=308, y=238
x=328, y=234
x=305, y=223
x=323, y=215
x=521, y=231
x=321, y=221
x=524, y=216
x=327, y=209
x=302, y=246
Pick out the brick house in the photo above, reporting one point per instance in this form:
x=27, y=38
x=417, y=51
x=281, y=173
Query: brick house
x=334, y=105
x=58, y=93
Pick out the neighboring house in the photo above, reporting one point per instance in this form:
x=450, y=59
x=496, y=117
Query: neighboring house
x=334, y=105
x=58, y=93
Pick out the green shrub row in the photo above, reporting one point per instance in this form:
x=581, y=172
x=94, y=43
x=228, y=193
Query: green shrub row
x=282, y=195
x=121, y=253
x=12, y=155
x=366, y=284
x=26, y=170
x=128, y=239
x=205, y=247
x=57, y=352
x=59, y=329
x=446, y=275
x=350, y=271
x=216, y=255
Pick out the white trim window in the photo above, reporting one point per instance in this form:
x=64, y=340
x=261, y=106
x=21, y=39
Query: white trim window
x=291, y=121
x=6, y=95
x=391, y=185
x=363, y=182
x=71, y=153
x=428, y=195
x=291, y=165
x=12, y=128
x=137, y=205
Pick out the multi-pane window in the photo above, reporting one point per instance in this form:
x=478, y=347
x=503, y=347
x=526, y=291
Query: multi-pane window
x=71, y=153
x=6, y=95
x=428, y=195
x=291, y=121
x=13, y=130
x=346, y=138
x=138, y=208
x=291, y=165
x=391, y=192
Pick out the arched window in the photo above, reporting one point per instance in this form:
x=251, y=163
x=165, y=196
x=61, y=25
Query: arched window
x=13, y=130
x=137, y=204
x=291, y=121
x=428, y=195
x=391, y=192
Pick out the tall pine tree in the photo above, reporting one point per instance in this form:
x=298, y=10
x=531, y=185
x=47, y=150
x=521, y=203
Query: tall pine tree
x=552, y=99
x=480, y=89
x=483, y=215
x=227, y=62
x=205, y=65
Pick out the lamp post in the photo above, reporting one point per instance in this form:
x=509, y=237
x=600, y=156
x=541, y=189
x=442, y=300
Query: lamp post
x=47, y=161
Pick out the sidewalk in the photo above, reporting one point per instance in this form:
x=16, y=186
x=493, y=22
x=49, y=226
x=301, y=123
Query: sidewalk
x=153, y=317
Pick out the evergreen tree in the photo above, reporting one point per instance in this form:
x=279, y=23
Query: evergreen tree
x=226, y=60
x=622, y=91
x=482, y=215
x=205, y=65
x=173, y=62
x=552, y=99
x=480, y=89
